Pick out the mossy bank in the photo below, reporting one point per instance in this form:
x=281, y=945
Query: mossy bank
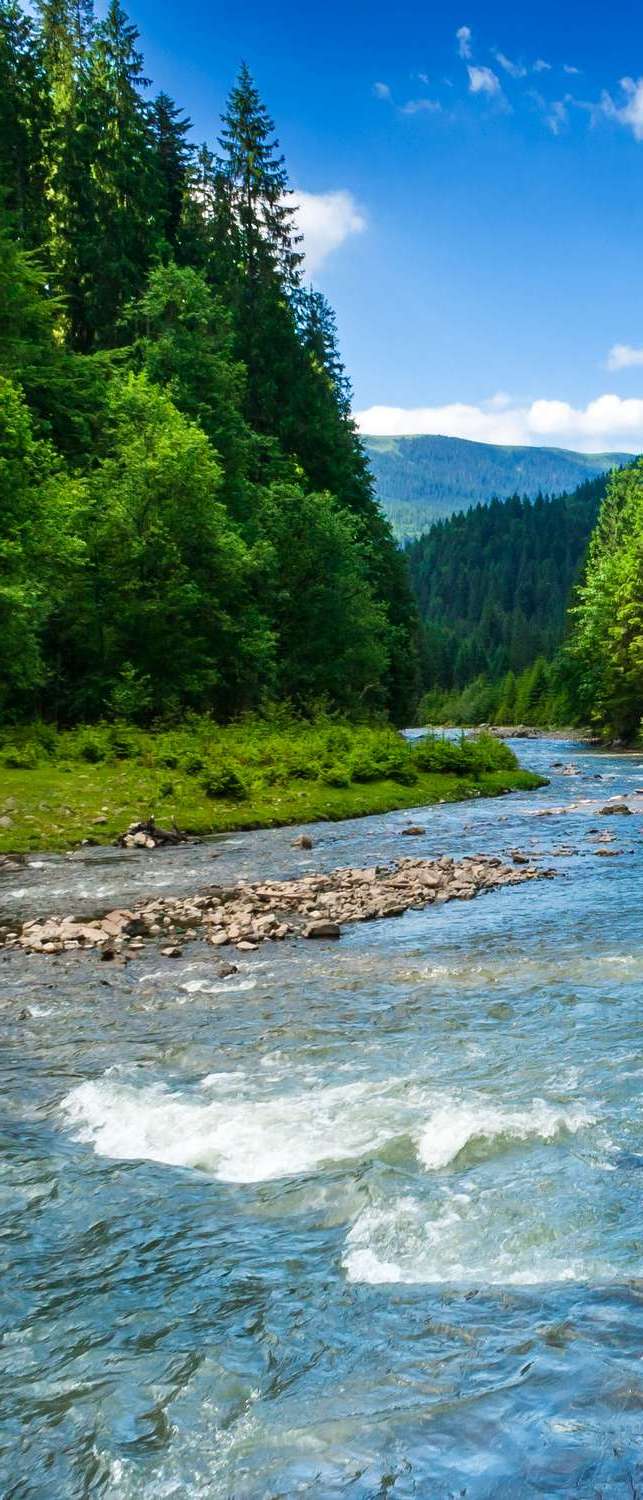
x=60, y=788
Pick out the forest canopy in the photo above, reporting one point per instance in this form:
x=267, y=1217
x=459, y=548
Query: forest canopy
x=187, y=515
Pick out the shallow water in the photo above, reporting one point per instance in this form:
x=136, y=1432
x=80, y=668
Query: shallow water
x=363, y=1219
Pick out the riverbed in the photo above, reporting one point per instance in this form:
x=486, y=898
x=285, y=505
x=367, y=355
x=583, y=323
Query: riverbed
x=362, y=1218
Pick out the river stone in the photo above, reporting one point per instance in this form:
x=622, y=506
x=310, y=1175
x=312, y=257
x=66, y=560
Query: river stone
x=323, y=930
x=315, y=905
x=616, y=807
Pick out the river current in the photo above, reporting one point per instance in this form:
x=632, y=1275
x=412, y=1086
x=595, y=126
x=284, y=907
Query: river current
x=362, y=1219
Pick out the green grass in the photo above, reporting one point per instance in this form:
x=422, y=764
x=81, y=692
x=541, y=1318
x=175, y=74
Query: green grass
x=59, y=788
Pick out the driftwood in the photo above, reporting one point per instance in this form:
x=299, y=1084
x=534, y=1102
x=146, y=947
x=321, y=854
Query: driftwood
x=147, y=835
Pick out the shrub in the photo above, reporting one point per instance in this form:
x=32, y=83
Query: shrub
x=223, y=781
x=464, y=757
x=336, y=776
x=303, y=769
x=91, y=748
x=338, y=738
x=364, y=768
x=124, y=743
x=132, y=695
x=21, y=757
x=404, y=775
x=194, y=764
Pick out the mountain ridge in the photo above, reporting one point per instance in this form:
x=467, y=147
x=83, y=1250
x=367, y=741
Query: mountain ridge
x=425, y=478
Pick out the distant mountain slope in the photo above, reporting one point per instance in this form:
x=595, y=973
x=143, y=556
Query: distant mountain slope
x=420, y=480
x=493, y=584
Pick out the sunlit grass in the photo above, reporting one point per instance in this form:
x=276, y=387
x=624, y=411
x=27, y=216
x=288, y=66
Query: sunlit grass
x=91, y=783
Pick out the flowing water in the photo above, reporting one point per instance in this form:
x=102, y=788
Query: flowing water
x=363, y=1219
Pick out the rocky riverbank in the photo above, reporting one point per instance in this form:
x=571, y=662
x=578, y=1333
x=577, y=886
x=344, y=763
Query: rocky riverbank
x=247, y=914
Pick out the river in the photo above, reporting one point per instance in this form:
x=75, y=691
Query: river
x=362, y=1219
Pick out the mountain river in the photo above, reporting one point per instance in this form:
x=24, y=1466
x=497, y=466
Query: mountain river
x=362, y=1219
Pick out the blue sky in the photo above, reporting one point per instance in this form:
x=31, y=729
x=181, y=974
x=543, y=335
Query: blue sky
x=471, y=183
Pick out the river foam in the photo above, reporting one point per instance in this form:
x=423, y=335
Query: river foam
x=481, y=1239
x=259, y=1138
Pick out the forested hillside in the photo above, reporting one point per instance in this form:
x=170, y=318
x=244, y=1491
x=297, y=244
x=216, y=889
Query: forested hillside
x=493, y=587
x=420, y=480
x=187, y=519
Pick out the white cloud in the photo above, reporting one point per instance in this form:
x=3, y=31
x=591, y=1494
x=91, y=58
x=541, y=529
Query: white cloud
x=605, y=424
x=326, y=220
x=381, y=91
x=557, y=115
x=540, y=66
x=631, y=112
x=623, y=356
x=515, y=70
x=463, y=36
x=483, y=81
x=567, y=68
x=417, y=106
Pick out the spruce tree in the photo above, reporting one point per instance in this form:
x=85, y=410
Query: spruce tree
x=124, y=230
x=256, y=243
x=24, y=119
x=174, y=155
x=66, y=32
x=255, y=182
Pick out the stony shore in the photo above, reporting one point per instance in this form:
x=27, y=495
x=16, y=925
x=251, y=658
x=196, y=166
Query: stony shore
x=246, y=915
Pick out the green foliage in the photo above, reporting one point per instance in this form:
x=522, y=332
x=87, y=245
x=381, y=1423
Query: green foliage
x=21, y=757
x=605, y=654
x=168, y=578
x=492, y=586
x=330, y=631
x=223, y=781
x=190, y=522
x=41, y=554
x=465, y=756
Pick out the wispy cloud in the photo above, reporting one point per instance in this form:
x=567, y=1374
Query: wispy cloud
x=514, y=69
x=412, y=106
x=607, y=423
x=420, y=106
x=326, y=220
x=463, y=38
x=557, y=114
x=630, y=112
x=483, y=80
x=624, y=108
x=624, y=357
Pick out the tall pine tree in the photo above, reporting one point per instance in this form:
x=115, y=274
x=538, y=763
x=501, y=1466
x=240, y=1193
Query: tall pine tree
x=174, y=156
x=24, y=120
x=123, y=233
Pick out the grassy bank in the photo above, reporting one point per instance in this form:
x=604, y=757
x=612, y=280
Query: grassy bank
x=57, y=789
